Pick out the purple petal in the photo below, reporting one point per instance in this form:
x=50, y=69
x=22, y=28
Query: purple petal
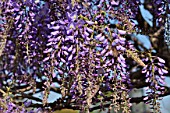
x=90, y=22
x=110, y=52
x=122, y=32
x=105, y=42
x=69, y=31
x=103, y=51
x=70, y=48
x=53, y=22
x=118, y=66
x=56, y=63
x=69, y=38
x=157, y=87
x=161, y=60
x=102, y=38
x=65, y=52
x=31, y=14
x=53, y=55
x=72, y=26
x=155, y=68
x=122, y=39
x=98, y=36
x=27, y=103
x=62, y=22
x=97, y=59
x=164, y=71
x=114, y=34
x=55, y=27
x=64, y=47
x=146, y=98
x=49, y=43
x=74, y=51
x=161, y=81
x=47, y=58
x=20, y=25
x=115, y=3
x=60, y=71
x=147, y=80
x=70, y=57
x=116, y=40
x=119, y=60
x=89, y=30
x=160, y=71
x=54, y=75
x=123, y=64
x=144, y=70
x=55, y=32
x=160, y=64
x=120, y=48
x=63, y=60
x=86, y=33
x=147, y=74
x=121, y=57
x=87, y=38
x=18, y=17
x=58, y=54
x=48, y=50
x=113, y=61
x=76, y=32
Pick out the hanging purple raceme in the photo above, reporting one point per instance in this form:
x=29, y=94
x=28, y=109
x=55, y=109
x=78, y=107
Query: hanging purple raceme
x=81, y=50
x=155, y=71
x=10, y=107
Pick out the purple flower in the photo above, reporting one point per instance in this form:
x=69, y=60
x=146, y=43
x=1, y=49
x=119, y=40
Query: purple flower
x=161, y=80
x=119, y=47
x=164, y=71
x=46, y=59
x=70, y=57
x=89, y=30
x=62, y=22
x=64, y=47
x=114, y=34
x=18, y=17
x=89, y=22
x=161, y=60
x=48, y=50
x=70, y=48
x=115, y=3
x=122, y=32
x=72, y=26
x=121, y=57
x=86, y=33
x=31, y=14
x=98, y=36
x=27, y=103
x=72, y=17
x=146, y=98
x=55, y=27
x=103, y=51
x=63, y=60
x=55, y=32
x=66, y=53
x=123, y=64
x=102, y=38
x=147, y=80
x=71, y=38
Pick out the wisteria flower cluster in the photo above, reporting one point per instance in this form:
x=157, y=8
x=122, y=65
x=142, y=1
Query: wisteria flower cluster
x=9, y=107
x=154, y=75
x=81, y=45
